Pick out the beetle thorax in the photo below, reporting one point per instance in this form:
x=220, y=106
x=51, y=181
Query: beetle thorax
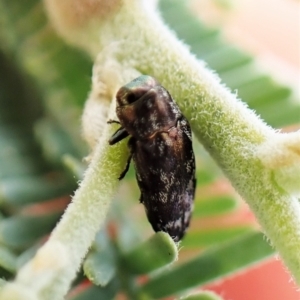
x=152, y=113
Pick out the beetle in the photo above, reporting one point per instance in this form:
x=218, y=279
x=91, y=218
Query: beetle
x=160, y=146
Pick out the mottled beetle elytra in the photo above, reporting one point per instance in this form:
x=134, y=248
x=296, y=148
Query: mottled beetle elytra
x=160, y=145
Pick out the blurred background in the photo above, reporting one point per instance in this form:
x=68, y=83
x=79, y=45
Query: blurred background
x=269, y=30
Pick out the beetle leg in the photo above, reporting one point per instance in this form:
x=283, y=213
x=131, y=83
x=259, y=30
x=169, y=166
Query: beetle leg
x=131, y=143
x=113, y=121
x=122, y=175
x=118, y=136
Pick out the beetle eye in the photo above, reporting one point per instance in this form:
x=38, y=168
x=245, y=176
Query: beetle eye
x=124, y=96
x=131, y=98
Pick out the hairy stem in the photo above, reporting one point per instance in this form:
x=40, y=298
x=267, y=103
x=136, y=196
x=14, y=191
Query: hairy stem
x=51, y=271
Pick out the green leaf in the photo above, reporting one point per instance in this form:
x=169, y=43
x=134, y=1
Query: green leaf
x=21, y=231
x=204, y=175
x=208, y=237
x=26, y=190
x=61, y=72
x=54, y=141
x=22, y=165
x=96, y=293
x=19, y=154
x=7, y=259
x=204, y=295
x=100, y=267
x=2, y=282
x=235, y=58
x=75, y=166
x=156, y=252
x=214, y=263
x=214, y=206
x=128, y=233
x=28, y=254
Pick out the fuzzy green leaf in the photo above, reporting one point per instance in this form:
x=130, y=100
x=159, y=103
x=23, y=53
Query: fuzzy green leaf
x=100, y=267
x=156, y=252
x=212, y=264
x=101, y=263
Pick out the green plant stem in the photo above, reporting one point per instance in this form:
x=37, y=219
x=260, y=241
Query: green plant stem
x=230, y=132
x=49, y=274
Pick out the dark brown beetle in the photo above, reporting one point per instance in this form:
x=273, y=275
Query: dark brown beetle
x=161, y=147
